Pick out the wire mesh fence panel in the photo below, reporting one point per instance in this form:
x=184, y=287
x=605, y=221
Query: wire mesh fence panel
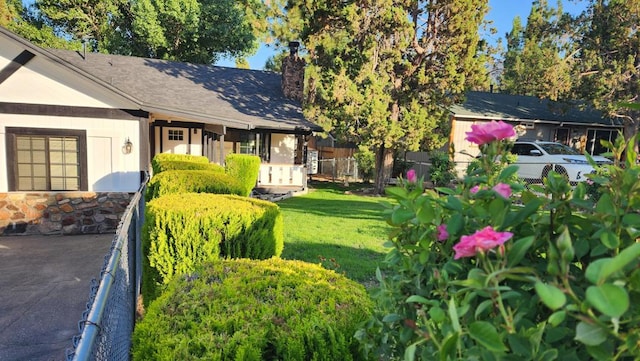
x=342, y=169
x=107, y=323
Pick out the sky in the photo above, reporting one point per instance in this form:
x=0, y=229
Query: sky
x=501, y=12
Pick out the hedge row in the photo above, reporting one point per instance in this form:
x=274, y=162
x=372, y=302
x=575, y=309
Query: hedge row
x=192, y=181
x=245, y=168
x=183, y=230
x=254, y=310
x=187, y=165
x=158, y=159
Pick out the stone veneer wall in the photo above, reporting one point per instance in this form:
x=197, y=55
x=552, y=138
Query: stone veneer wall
x=61, y=213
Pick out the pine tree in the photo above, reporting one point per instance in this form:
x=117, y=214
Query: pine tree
x=609, y=62
x=539, y=56
x=383, y=72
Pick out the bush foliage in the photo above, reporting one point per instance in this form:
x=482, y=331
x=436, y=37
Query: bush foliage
x=245, y=169
x=183, y=230
x=254, y=310
x=168, y=157
x=494, y=270
x=184, y=165
x=192, y=181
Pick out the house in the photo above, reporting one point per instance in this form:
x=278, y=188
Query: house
x=540, y=119
x=78, y=129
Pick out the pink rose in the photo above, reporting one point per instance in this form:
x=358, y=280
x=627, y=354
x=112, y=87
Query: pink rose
x=474, y=189
x=411, y=176
x=443, y=235
x=482, y=240
x=488, y=132
x=503, y=189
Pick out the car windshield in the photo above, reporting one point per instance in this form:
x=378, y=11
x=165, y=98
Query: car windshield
x=557, y=148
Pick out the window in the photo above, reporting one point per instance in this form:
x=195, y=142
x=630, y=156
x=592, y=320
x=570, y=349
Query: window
x=523, y=149
x=175, y=134
x=46, y=159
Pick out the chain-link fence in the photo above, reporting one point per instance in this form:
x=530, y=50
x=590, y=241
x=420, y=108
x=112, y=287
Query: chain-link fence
x=528, y=173
x=107, y=323
x=342, y=169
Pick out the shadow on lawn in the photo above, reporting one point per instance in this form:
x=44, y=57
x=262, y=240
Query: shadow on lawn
x=355, y=263
x=346, y=208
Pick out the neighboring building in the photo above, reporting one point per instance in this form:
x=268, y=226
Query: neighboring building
x=77, y=125
x=542, y=119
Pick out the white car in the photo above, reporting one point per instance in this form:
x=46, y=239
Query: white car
x=536, y=159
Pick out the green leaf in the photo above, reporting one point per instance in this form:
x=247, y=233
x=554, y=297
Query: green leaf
x=550, y=295
x=455, y=224
x=410, y=352
x=418, y=299
x=453, y=315
x=625, y=257
x=519, y=250
x=605, y=205
x=594, y=270
x=601, y=352
x=454, y=203
x=487, y=336
x=448, y=350
x=482, y=307
x=401, y=215
x=530, y=208
x=508, y=172
x=519, y=345
x=557, y=317
x=610, y=299
x=393, y=317
x=397, y=192
x=436, y=314
x=609, y=239
x=631, y=219
x=426, y=213
x=590, y=334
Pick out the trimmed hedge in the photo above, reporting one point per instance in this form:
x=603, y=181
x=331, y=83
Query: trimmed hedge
x=192, y=181
x=245, y=168
x=183, y=230
x=184, y=165
x=168, y=157
x=254, y=310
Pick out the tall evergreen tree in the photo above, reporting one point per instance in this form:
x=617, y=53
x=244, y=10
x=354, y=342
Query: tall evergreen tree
x=539, y=56
x=609, y=62
x=382, y=72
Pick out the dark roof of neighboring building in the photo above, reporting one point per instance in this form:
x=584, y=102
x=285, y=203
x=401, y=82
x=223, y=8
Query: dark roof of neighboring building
x=500, y=106
x=220, y=93
x=238, y=98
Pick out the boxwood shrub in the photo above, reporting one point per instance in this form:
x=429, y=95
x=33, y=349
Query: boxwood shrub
x=245, y=168
x=183, y=230
x=254, y=310
x=168, y=157
x=192, y=181
x=184, y=165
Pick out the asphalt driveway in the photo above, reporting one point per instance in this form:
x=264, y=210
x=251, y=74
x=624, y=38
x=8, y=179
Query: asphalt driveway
x=44, y=288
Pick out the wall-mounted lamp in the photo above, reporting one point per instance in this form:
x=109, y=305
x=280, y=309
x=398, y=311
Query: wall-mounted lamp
x=127, y=147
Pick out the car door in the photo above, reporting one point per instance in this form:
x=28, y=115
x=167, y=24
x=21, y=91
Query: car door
x=530, y=165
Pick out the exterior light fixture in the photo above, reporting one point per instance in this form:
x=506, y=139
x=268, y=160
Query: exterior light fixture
x=127, y=147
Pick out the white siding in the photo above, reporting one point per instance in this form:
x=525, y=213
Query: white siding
x=108, y=168
x=41, y=81
x=283, y=149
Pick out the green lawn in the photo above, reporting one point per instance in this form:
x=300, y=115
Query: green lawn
x=344, y=232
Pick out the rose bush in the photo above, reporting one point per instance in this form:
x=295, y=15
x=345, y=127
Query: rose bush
x=494, y=270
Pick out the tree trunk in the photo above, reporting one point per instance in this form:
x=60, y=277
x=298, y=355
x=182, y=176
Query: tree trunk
x=384, y=166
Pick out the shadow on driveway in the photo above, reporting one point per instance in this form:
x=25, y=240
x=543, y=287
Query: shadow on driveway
x=44, y=288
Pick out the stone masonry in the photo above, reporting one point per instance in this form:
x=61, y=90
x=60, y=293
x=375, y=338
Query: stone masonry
x=61, y=213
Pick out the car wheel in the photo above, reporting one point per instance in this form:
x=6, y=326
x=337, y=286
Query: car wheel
x=558, y=169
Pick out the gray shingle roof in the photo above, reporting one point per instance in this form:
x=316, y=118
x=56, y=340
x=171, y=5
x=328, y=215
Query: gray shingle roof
x=212, y=94
x=500, y=106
